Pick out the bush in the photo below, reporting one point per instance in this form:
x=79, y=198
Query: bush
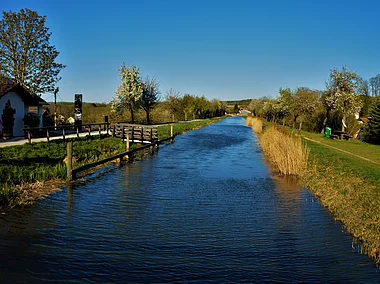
x=31, y=119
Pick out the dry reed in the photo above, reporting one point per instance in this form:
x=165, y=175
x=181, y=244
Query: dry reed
x=256, y=124
x=287, y=153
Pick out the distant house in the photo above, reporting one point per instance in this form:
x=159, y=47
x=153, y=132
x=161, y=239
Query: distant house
x=22, y=101
x=244, y=112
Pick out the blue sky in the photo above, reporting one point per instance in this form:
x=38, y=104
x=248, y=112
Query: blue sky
x=217, y=48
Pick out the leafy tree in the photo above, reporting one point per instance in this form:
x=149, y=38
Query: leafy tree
x=218, y=107
x=285, y=104
x=306, y=103
x=342, y=92
x=203, y=107
x=129, y=92
x=372, y=134
x=150, y=96
x=173, y=102
x=257, y=106
x=26, y=55
x=236, y=108
x=188, y=105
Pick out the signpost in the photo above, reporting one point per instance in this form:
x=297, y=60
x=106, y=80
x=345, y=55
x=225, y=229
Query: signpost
x=78, y=109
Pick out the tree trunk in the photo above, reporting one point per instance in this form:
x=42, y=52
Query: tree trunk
x=343, y=121
x=300, y=126
x=294, y=120
x=172, y=117
x=132, y=116
x=147, y=116
x=185, y=116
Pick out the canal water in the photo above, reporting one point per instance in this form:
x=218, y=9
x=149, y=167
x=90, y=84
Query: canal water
x=204, y=209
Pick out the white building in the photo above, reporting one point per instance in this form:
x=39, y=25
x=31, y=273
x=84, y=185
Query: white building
x=22, y=101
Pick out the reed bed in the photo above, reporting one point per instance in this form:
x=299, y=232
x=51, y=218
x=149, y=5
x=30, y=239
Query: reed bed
x=256, y=123
x=287, y=153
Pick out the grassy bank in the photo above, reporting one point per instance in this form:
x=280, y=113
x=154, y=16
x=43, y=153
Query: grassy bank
x=345, y=176
x=286, y=152
x=183, y=127
x=25, y=169
x=349, y=187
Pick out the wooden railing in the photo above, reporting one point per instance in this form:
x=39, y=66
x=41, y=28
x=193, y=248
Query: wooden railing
x=135, y=132
x=64, y=130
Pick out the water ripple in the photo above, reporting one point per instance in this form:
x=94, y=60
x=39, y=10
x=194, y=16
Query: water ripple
x=204, y=209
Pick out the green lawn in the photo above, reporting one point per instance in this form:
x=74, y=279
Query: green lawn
x=363, y=149
x=348, y=186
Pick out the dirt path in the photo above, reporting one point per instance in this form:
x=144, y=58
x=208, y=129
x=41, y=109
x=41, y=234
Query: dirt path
x=344, y=151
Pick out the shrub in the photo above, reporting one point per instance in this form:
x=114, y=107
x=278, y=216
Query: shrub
x=31, y=119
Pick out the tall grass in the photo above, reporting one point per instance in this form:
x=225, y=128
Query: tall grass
x=287, y=153
x=256, y=123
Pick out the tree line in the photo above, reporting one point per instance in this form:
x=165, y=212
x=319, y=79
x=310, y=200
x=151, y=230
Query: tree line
x=135, y=93
x=346, y=98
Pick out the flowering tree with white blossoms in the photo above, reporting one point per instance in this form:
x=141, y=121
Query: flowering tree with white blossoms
x=342, y=95
x=129, y=92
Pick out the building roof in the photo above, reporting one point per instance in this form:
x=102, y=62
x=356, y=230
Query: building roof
x=29, y=99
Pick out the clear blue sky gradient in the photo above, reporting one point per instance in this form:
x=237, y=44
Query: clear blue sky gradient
x=225, y=49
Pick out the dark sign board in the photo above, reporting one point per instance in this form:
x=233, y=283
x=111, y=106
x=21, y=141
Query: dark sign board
x=78, y=109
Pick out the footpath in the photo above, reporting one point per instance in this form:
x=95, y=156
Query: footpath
x=341, y=150
x=22, y=140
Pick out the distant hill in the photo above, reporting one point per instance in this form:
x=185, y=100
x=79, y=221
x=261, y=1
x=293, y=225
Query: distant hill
x=239, y=102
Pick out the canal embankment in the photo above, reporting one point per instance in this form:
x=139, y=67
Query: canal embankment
x=344, y=175
x=30, y=171
x=205, y=209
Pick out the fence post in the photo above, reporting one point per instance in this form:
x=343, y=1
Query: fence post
x=69, y=162
x=142, y=135
x=47, y=134
x=127, y=141
x=171, y=133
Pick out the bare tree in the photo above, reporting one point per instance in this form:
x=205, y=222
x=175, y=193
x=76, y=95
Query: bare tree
x=150, y=96
x=375, y=85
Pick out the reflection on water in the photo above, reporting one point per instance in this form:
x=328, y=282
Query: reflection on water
x=204, y=209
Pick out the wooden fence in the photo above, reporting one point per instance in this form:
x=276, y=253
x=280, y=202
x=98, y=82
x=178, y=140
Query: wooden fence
x=136, y=133
x=62, y=131
x=72, y=173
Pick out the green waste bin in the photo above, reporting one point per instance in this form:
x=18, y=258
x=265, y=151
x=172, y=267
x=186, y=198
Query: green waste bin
x=327, y=132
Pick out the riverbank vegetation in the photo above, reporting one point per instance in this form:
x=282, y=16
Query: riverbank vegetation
x=344, y=175
x=349, y=104
x=25, y=168
x=349, y=187
x=286, y=152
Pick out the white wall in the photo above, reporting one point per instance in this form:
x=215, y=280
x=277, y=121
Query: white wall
x=18, y=105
